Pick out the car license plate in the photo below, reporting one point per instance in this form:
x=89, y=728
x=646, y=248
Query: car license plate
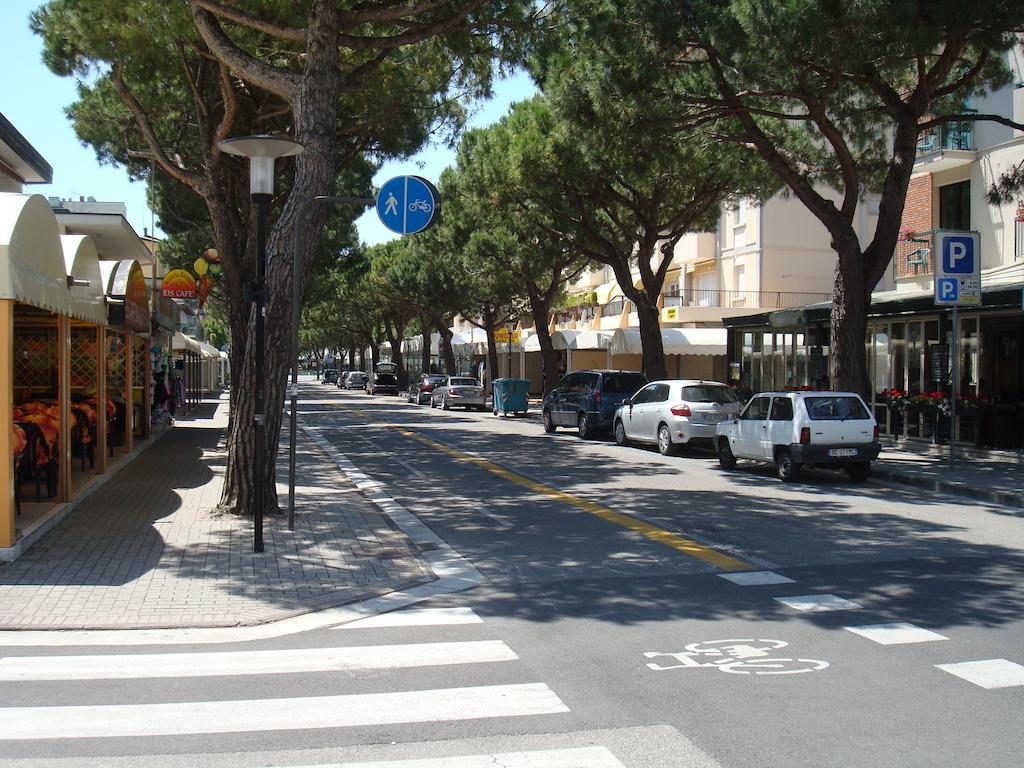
x=714, y=418
x=842, y=452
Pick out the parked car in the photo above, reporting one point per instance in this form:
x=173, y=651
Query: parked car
x=588, y=400
x=419, y=390
x=793, y=430
x=384, y=380
x=461, y=391
x=674, y=413
x=330, y=376
x=341, y=377
x=355, y=380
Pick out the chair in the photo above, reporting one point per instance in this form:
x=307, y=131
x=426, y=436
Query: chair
x=30, y=468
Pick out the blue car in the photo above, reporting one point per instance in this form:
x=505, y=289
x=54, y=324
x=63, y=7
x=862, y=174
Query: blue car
x=587, y=400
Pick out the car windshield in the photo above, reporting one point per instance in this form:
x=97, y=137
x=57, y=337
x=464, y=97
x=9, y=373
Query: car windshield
x=434, y=379
x=620, y=383
x=386, y=367
x=463, y=383
x=836, y=408
x=709, y=393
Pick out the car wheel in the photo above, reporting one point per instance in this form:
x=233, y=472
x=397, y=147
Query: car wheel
x=726, y=460
x=619, y=431
x=549, y=425
x=859, y=471
x=444, y=404
x=785, y=467
x=583, y=427
x=665, y=445
x=433, y=404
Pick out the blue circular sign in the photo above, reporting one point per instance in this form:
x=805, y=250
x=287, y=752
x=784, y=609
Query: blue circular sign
x=408, y=204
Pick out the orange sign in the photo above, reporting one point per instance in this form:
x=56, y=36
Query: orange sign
x=179, y=284
x=136, y=300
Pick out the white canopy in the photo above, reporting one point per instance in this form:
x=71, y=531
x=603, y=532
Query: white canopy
x=677, y=341
x=209, y=351
x=82, y=263
x=567, y=339
x=182, y=343
x=32, y=267
x=531, y=343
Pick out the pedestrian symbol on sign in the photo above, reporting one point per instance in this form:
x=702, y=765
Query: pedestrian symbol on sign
x=391, y=205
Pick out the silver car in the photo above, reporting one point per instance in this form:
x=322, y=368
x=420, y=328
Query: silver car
x=460, y=391
x=355, y=380
x=674, y=412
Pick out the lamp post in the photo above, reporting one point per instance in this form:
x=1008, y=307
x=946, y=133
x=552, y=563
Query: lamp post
x=300, y=222
x=261, y=151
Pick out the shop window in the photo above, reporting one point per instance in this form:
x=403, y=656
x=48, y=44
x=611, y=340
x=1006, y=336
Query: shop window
x=955, y=206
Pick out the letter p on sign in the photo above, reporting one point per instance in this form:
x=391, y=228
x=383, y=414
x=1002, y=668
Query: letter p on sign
x=958, y=255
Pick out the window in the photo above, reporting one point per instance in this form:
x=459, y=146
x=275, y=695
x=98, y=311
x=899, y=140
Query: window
x=835, y=408
x=644, y=395
x=740, y=276
x=782, y=409
x=955, y=206
x=741, y=212
x=463, y=382
x=660, y=393
x=709, y=393
x=623, y=382
x=1018, y=236
x=757, y=410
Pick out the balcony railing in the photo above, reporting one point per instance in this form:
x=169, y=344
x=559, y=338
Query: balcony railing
x=709, y=297
x=953, y=136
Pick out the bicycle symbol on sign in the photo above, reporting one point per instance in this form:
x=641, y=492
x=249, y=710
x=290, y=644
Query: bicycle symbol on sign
x=739, y=657
x=419, y=205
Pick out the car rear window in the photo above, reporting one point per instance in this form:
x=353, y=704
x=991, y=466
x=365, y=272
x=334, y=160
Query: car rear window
x=627, y=383
x=836, y=408
x=709, y=393
x=465, y=383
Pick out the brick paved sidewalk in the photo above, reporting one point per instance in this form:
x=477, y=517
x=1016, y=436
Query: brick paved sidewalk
x=144, y=550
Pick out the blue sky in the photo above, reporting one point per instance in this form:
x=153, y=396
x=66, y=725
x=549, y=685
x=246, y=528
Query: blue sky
x=34, y=99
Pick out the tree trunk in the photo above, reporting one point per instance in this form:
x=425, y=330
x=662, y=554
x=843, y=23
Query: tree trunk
x=492, y=357
x=395, y=336
x=650, y=338
x=446, y=349
x=374, y=355
x=315, y=174
x=540, y=308
x=427, y=329
x=847, y=356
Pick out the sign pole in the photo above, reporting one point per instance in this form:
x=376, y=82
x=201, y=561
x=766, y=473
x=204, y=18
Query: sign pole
x=955, y=352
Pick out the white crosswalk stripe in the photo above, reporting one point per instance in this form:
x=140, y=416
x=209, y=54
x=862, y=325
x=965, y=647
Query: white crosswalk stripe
x=195, y=717
x=175, y=665
x=418, y=617
x=578, y=757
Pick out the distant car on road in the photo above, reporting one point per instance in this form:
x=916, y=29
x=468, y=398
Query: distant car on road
x=460, y=391
x=588, y=400
x=330, y=376
x=672, y=413
x=793, y=430
x=384, y=380
x=354, y=380
x=420, y=389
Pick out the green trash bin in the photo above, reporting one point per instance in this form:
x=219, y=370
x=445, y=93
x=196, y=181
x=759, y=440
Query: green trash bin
x=511, y=396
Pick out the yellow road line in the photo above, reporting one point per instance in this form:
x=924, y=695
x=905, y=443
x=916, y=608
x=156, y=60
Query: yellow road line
x=651, y=531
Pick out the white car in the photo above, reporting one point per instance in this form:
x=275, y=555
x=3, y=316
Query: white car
x=354, y=380
x=461, y=391
x=793, y=430
x=673, y=413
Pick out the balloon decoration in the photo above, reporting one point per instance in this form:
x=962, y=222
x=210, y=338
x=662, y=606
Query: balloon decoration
x=208, y=268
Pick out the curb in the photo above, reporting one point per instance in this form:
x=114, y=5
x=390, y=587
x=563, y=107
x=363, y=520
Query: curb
x=948, y=487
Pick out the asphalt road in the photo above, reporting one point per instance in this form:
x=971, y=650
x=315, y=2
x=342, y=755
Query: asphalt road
x=604, y=634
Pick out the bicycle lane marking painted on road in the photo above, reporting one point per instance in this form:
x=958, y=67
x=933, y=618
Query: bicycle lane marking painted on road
x=649, y=530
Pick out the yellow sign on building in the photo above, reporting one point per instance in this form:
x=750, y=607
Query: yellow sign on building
x=501, y=336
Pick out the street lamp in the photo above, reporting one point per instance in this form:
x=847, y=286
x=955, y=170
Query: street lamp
x=262, y=151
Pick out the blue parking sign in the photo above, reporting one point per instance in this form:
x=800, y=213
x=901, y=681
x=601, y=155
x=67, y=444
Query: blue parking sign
x=958, y=255
x=947, y=290
x=408, y=204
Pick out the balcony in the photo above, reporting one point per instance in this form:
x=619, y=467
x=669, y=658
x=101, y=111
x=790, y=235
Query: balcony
x=713, y=297
x=945, y=147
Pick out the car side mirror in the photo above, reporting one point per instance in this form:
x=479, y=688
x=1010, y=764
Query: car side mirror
x=628, y=401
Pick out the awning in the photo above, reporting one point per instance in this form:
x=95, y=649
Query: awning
x=607, y=291
x=32, y=267
x=531, y=343
x=566, y=339
x=126, y=286
x=208, y=351
x=676, y=341
x=82, y=263
x=183, y=343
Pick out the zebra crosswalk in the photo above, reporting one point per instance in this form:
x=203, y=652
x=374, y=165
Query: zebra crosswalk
x=350, y=686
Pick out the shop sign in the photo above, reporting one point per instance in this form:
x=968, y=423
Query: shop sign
x=670, y=314
x=179, y=284
x=501, y=336
x=136, y=300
